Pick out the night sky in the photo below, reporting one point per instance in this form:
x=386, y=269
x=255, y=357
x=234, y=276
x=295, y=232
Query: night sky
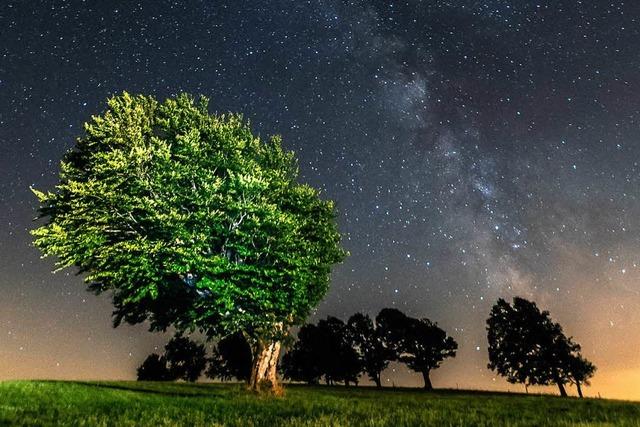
x=475, y=149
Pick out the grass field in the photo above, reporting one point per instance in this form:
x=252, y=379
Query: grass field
x=164, y=404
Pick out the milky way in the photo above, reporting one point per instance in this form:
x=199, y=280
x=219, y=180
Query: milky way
x=475, y=150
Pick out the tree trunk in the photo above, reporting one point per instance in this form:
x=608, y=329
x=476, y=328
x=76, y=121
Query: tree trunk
x=376, y=379
x=427, y=380
x=264, y=371
x=579, y=389
x=563, y=392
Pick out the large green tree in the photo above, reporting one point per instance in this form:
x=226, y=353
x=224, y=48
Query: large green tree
x=190, y=221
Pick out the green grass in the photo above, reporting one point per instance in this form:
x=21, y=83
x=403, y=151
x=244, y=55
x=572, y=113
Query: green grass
x=169, y=404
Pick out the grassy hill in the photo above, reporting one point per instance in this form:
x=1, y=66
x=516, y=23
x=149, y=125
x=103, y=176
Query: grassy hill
x=164, y=404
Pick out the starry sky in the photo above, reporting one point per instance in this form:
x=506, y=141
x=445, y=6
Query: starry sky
x=475, y=149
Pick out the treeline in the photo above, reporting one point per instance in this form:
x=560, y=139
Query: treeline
x=341, y=352
x=186, y=360
x=524, y=345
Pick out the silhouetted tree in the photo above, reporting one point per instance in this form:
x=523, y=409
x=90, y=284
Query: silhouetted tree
x=368, y=341
x=303, y=361
x=392, y=325
x=231, y=359
x=556, y=355
x=186, y=359
x=580, y=370
x=419, y=343
x=426, y=347
x=527, y=347
x=514, y=334
x=323, y=350
x=154, y=368
x=339, y=360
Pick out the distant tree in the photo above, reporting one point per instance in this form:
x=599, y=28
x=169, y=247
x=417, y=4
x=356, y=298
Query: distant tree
x=185, y=359
x=527, y=347
x=368, y=342
x=323, y=351
x=339, y=360
x=392, y=325
x=580, y=371
x=514, y=334
x=418, y=343
x=189, y=220
x=154, y=368
x=303, y=361
x=426, y=347
x=231, y=359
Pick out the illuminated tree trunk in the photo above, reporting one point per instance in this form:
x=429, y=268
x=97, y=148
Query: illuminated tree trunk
x=265, y=363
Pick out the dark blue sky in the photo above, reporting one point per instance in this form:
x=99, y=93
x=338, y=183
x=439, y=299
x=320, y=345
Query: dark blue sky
x=476, y=150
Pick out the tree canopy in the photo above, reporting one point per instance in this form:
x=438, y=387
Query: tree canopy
x=183, y=359
x=527, y=347
x=419, y=343
x=154, y=368
x=323, y=350
x=190, y=220
x=302, y=361
x=367, y=340
x=341, y=352
x=338, y=358
x=231, y=359
x=186, y=359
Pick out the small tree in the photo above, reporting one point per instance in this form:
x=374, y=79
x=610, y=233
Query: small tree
x=154, y=368
x=580, y=371
x=323, y=350
x=527, y=347
x=338, y=358
x=426, y=347
x=231, y=359
x=368, y=341
x=392, y=325
x=303, y=361
x=419, y=343
x=189, y=220
x=514, y=334
x=185, y=359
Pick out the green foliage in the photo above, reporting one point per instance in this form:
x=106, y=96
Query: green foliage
x=181, y=404
x=189, y=220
